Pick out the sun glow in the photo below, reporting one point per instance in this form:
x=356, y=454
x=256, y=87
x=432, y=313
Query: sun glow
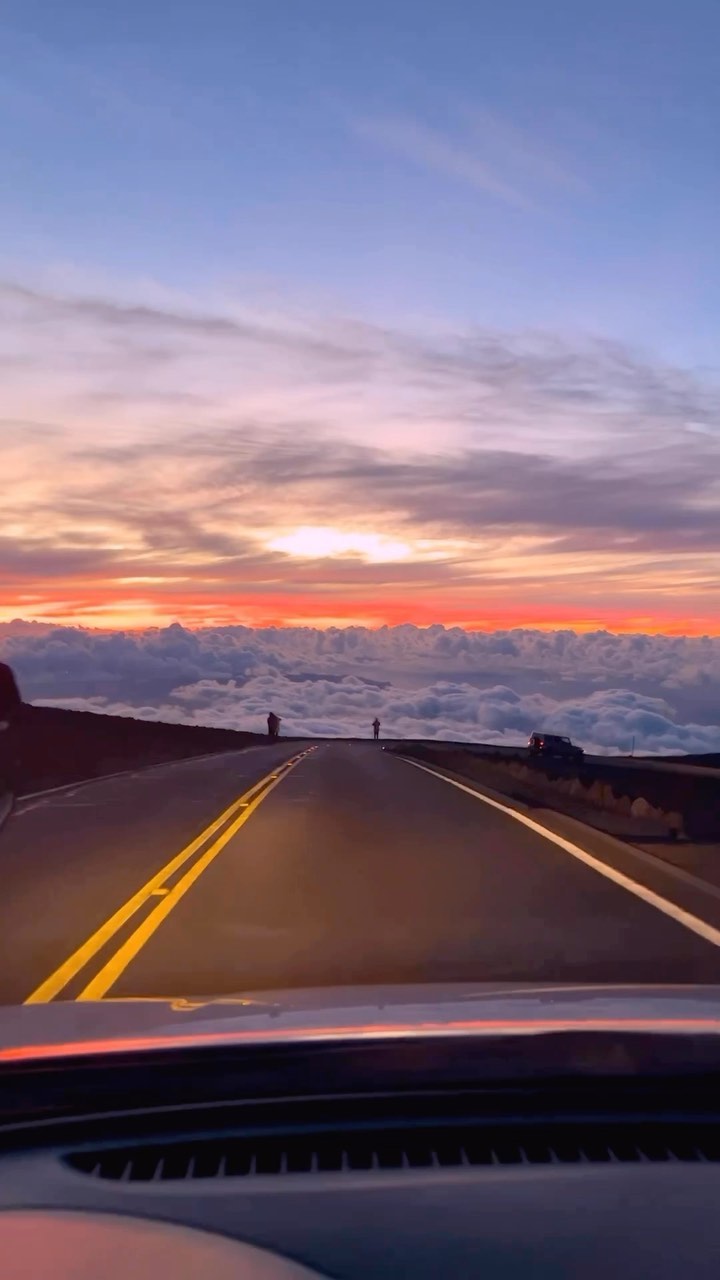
x=316, y=542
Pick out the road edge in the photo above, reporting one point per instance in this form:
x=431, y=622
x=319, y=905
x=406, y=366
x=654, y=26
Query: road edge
x=125, y=773
x=563, y=824
x=603, y=865
x=7, y=804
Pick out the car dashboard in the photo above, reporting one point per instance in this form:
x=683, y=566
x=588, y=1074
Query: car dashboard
x=387, y=1159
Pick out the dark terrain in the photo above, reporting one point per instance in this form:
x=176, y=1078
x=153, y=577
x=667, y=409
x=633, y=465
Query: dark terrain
x=48, y=746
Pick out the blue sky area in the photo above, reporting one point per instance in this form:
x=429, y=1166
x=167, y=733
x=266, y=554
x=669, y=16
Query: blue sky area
x=524, y=165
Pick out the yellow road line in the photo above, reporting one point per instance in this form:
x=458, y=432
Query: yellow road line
x=116, y=965
x=53, y=985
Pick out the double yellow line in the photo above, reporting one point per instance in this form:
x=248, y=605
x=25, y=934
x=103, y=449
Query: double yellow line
x=228, y=824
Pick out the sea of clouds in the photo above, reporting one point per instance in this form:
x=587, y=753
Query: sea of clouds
x=604, y=690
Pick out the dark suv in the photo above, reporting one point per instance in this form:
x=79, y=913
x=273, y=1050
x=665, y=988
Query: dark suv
x=551, y=744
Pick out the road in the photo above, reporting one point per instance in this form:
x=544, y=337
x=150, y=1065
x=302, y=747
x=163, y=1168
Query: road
x=302, y=865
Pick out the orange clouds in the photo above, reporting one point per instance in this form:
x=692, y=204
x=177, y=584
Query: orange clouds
x=101, y=604
x=215, y=467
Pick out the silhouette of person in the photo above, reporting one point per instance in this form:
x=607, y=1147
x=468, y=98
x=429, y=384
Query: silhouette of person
x=273, y=724
x=376, y=728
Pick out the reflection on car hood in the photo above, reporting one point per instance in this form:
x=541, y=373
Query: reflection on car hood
x=63, y=1029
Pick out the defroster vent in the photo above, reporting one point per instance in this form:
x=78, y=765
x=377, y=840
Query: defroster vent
x=354, y=1152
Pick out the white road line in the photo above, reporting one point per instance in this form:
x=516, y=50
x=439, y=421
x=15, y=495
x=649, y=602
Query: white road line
x=664, y=905
x=6, y=806
x=136, y=771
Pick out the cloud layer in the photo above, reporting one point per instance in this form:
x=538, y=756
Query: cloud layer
x=161, y=454
x=602, y=689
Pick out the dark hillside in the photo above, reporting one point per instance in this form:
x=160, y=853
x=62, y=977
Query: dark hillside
x=48, y=746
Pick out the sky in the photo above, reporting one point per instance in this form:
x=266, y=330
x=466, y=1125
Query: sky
x=360, y=314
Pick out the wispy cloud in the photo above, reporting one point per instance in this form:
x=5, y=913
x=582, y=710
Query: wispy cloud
x=115, y=315
x=481, y=150
x=522, y=471
x=479, y=489
x=440, y=152
x=516, y=151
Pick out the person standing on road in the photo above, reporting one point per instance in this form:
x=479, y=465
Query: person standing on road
x=273, y=724
x=376, y=728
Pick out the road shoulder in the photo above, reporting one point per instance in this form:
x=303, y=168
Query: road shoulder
x=688, y=891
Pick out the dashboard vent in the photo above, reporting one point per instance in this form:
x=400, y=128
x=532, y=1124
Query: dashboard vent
x=270, y=1155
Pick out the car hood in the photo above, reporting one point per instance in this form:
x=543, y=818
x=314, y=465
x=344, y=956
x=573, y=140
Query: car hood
x=68, y=1029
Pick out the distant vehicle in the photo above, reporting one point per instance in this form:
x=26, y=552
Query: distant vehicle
x=551, y=744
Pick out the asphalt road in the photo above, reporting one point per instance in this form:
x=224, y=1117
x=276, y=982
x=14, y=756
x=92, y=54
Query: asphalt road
x=304, y=865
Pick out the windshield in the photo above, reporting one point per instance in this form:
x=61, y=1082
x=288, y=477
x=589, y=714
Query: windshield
x=360, y=411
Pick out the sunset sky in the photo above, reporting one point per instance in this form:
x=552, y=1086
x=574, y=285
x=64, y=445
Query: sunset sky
x=322, y=312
